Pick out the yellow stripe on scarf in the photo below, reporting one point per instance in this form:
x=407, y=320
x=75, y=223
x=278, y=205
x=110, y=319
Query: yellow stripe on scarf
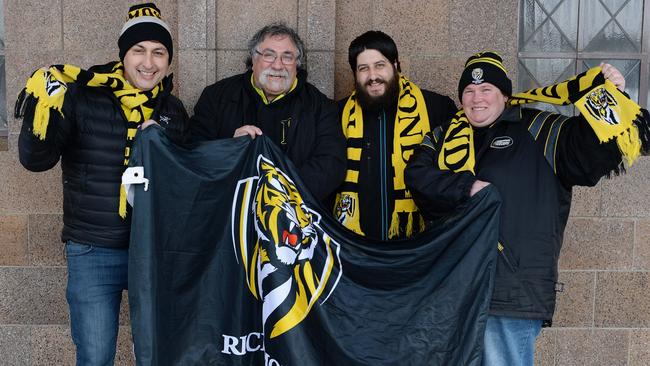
x=49, y=86
x=611, y=115
x=609, y=112
x=410, y=125
x=457, y=152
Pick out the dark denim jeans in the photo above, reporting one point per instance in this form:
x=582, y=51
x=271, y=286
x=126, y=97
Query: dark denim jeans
x=96, y=278
x=510, y=341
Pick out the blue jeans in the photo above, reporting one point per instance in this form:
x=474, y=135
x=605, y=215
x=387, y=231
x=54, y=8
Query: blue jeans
x=510, y=341
x=96, y=278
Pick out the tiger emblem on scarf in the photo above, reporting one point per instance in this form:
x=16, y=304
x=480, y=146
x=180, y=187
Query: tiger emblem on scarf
x=599, y=103
x=53, y=86
x=290, y=263
x=344, y=208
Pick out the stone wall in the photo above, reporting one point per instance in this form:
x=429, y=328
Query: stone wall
x=603, y=316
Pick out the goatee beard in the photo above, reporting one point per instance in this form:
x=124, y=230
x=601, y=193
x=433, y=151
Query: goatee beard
x=383, y=101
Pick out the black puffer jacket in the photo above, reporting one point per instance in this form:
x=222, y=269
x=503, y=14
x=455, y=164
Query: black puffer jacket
x=90, y=143
x=533, y=158
x=303, y=124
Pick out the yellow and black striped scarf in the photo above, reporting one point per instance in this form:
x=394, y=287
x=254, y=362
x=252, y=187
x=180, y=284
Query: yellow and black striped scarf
x=48, y=87
x=410, y=126
x=609, y=112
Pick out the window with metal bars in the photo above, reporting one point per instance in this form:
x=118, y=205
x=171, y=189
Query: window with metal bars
x=561, y=38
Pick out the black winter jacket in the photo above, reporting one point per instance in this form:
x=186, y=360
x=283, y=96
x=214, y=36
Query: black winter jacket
x=303, y=124
x=90, y=143
x=533, y=158
x=377, y=150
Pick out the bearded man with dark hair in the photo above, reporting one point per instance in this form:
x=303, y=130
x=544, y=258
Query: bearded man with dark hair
x=383, y=120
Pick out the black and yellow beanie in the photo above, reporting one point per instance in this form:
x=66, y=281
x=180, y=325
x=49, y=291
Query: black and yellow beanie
x=485, y=67
x=144, y=24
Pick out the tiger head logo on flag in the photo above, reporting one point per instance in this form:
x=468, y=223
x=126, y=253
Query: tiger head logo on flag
x=289, y=261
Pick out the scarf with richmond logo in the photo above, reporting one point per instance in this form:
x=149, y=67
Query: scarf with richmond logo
x=48, y=88
x=609, y=112
x=411, y=123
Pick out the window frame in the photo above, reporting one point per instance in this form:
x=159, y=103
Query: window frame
x=578, y=56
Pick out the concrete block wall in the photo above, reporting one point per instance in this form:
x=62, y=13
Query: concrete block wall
x=603, y=316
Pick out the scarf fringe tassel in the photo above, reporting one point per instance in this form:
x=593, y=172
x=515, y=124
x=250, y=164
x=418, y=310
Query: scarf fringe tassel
x=394, y=229
x=630, y=142
x=643, y=126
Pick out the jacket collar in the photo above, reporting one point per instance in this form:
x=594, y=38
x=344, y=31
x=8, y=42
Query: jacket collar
x=510, y=114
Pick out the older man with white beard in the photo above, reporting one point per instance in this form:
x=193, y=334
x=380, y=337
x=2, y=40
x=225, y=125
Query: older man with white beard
x=273, y=98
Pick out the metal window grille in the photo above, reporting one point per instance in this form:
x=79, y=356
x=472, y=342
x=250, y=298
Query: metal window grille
x=561, y=38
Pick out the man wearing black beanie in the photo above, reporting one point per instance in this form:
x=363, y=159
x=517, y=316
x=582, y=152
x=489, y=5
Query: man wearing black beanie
x=88, y=120
x=532, y=158
x=383, y=120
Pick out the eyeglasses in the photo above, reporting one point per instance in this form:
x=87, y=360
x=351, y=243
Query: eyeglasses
x=270, y=56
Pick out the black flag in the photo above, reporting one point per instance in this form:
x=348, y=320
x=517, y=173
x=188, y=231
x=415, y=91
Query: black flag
x=233, y=262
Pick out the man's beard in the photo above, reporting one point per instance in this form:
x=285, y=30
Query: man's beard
x=383, y=101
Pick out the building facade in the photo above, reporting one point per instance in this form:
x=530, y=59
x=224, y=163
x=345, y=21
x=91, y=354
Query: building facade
x=603, y=315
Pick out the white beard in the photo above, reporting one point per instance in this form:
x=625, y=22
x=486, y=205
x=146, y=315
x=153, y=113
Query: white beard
x=278, y=84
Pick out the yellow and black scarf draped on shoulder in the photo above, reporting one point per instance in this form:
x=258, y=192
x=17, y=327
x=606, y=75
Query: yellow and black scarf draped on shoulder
x=609, y=112
x=48, y=88
x=411, y=123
